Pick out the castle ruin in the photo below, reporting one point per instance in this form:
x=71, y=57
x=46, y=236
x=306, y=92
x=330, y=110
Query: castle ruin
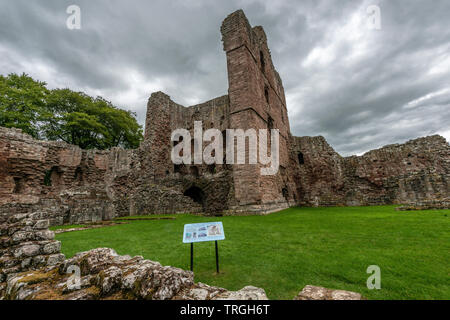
x=70, y=185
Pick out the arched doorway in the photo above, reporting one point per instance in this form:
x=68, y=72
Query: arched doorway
x=196, y=194
x=285, y=193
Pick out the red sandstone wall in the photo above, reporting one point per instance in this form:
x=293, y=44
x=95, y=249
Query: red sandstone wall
x=163, y=117
x=256, y=99
x=75, y=186
x=401, y=173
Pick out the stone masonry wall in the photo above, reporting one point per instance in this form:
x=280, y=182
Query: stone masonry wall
x=61, y=179
x=400, y=173
x=26, y=244
x=168, y=183
x=257, y=101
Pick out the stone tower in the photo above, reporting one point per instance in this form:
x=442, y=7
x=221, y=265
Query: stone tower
x=256, y=101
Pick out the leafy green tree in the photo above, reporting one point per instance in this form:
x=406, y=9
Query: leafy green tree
x=76, y=118
x=121, y=125
x=65, y=115
x=22, y=103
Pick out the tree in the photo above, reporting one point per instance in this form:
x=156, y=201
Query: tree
x=22, y=103
x=65, y=115
x=77, y=118
x=122, y=128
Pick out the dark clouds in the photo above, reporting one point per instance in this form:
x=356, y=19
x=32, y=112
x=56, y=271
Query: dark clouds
x=359, y=88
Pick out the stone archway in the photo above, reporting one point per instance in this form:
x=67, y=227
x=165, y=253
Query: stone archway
x=196, y=194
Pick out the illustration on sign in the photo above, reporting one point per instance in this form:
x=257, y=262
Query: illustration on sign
x=199, y=232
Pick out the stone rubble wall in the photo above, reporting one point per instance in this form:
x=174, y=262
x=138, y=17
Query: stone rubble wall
x=395, y=174
x=409, y=173
x=65, y=182
x=167, y=182
x=106, y=275
x=438, y=204
x=26, y=244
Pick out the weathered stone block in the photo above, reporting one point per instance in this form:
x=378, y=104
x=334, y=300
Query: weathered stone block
x=42, y=224
x=43, y=235
x=319, y=293
x=55, y=259
x=27, y=250
x=52, y=247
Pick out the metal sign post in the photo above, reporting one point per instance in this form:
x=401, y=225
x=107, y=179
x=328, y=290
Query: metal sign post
x=202, y=232
x=217, y=258
x=192, y=256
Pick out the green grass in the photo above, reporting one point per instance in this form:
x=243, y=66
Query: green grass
x=282, y=252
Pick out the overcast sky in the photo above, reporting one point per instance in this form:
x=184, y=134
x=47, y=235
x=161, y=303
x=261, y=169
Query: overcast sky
x=360, y=88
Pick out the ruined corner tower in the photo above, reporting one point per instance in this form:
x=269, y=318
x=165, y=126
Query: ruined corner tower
x=255, y=100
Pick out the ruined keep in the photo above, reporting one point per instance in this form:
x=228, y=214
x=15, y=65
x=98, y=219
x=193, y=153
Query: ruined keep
x=68, y=185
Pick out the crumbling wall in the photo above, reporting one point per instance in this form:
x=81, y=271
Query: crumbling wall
x=400, y=173
x=66, y=182
x=162, y=186
x=71, y=185
x=26, y=244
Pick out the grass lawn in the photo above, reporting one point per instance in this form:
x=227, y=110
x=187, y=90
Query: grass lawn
x=282, y=252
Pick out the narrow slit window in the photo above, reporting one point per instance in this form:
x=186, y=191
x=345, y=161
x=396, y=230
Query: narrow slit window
x=301, y=159
x=263, y=62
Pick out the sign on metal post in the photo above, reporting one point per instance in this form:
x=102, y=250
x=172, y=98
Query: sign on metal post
x=202, y=232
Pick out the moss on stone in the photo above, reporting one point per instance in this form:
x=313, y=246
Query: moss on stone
x=94, y=291
x=38, y=277
x=48, y=294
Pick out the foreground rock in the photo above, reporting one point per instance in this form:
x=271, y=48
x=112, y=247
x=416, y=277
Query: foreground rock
x=201, y=291
x=106, y=275
x=319, y=293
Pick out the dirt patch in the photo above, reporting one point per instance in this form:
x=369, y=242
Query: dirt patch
x=90, y=226
x=145, y=218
